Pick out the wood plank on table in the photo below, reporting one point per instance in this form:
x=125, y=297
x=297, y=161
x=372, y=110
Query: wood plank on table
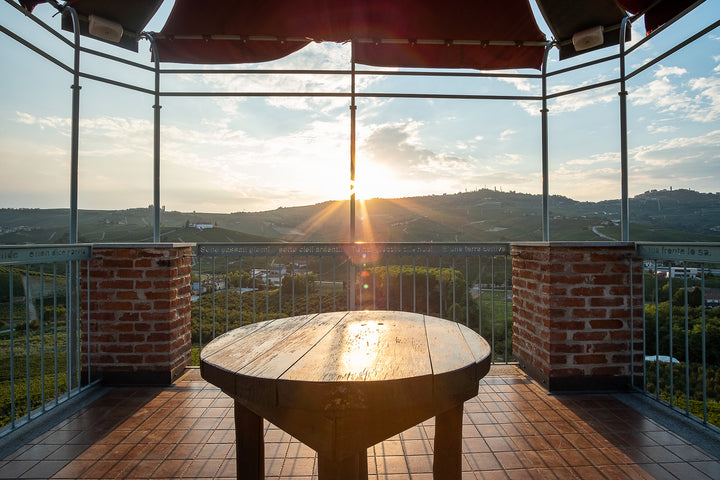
x=367, y=346
x=220, y=376
x=234, y=357
x=477, y=345
x=455, y=369
x=228, y=339
x=448, y=348
x=292, y=347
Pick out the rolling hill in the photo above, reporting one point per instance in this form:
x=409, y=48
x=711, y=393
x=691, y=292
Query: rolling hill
x=478, y=216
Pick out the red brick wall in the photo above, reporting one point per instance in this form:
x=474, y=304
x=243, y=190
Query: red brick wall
x=139, y=305
x=572, y=313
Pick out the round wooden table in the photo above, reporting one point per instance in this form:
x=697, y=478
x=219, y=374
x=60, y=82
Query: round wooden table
x=341, y=382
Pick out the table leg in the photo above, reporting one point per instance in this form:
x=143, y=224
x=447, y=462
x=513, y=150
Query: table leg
x=353, y=467
x=249, y=444
x=447, y=461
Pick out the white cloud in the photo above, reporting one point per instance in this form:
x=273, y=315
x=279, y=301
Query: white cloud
x=663, y=71
x=55, y=123
x=604, y=158
x=573, y=102
x=506, y=134
x=688, y=151
x=398, y=147
x=661, y=129
x=661, y=94
x=707, y=100
x=520, y=84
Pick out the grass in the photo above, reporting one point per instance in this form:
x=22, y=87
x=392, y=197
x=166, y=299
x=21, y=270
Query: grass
x=47, y=382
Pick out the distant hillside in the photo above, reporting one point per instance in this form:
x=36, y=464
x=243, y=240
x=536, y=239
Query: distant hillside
x=479, y=216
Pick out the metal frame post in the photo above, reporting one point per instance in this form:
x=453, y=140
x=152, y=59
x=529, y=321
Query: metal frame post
x=353, y=110
x=156, y=142
x=73, y=295
x=545, y=154
x=624, y=203
x=75, y=130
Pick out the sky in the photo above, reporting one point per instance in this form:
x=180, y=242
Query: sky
x=252, y=154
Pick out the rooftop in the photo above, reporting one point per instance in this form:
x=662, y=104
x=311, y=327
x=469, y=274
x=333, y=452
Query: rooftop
x=512, y=429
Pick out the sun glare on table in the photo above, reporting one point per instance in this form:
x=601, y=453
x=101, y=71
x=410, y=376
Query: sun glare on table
x=361, y=347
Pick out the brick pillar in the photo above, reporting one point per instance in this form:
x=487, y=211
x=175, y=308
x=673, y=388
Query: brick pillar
x=572, y=322
x=139, y=313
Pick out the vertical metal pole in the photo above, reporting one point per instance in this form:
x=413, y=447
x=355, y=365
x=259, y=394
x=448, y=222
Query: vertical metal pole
x=545, y=154
x=353, y=109
x=73, y=272
x=75, y=131
x=624, y=206
x=156, y=142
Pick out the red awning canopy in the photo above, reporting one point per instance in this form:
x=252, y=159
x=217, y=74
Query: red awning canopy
x=482, y=34
x=479, y=34
x=568, y=17
x=656, y=12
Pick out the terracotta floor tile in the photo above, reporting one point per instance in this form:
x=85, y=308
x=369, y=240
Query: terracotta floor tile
x=44, y=469
x=74, y=469
x=298, y=466
x=388, y=448
x=202, y=468
x=509, y=460
x=392, y=464
x=15, y=468
x=37, y=452
x=68, y=452
x=169, y=468
x=419, y=464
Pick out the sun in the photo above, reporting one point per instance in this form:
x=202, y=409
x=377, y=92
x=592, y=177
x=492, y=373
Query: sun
x=374, y=181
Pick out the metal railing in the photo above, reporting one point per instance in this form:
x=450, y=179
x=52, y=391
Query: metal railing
x=40, y=335
x=237, y=284
x=681, y=297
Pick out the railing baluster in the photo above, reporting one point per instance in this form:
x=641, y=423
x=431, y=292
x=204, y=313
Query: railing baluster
x=12, y=346
x=687, y=343
x=28, y=309
x=704, y=352
x=467, y=293
x=492, y=305
x=505, y=314
x=414, y=286
x=56, y=356
x=42, y=338
x=227, y=294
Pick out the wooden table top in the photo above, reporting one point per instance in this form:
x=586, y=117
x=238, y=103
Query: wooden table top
x=343, y=381
x=271, y=361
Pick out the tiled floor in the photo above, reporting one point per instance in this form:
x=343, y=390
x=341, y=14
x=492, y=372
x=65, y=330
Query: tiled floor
x=512, y=429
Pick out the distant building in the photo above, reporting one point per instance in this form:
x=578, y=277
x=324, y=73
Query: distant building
x=661, y=358
x=712, y=299
x=201, y=225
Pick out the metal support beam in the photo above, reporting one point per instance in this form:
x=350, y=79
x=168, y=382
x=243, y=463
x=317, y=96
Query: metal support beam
x=545, y=154
x=353, y=110
x=73, y=273
x=624, y=202
x=156, y=142
x=75, y=131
